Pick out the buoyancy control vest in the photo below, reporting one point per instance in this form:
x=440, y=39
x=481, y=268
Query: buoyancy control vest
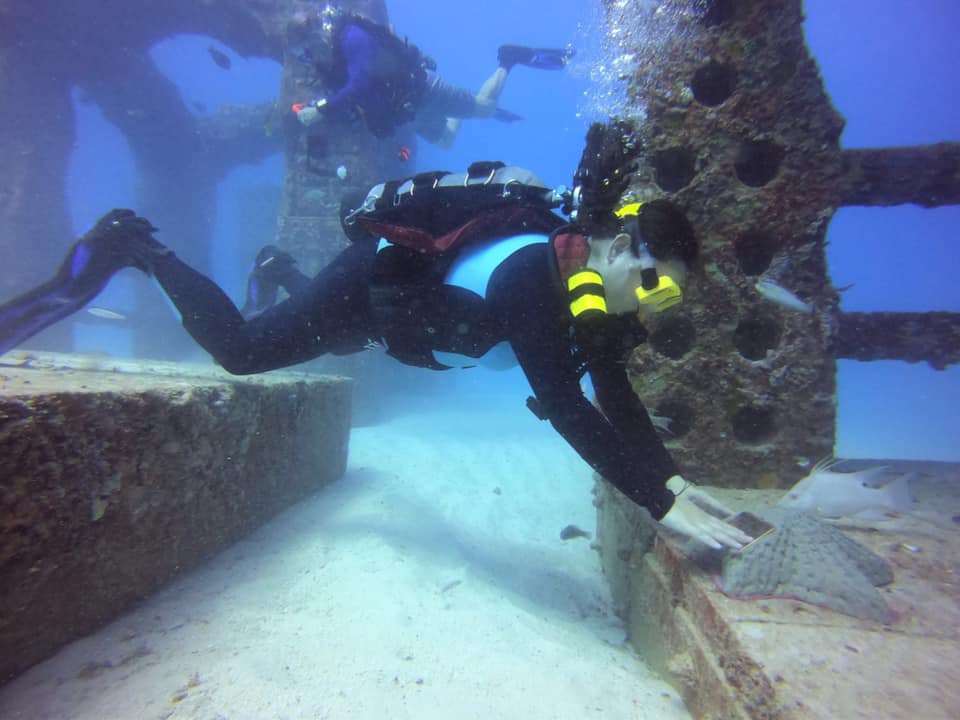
x=436, y=229
x=441, y=236
x=436, y=212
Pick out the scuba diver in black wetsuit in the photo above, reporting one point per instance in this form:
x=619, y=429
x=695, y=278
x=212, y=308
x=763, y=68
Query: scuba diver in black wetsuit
x=388, y=82
x=559, y=300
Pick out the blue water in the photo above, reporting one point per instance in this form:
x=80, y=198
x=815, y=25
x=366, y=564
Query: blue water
x=889, y=67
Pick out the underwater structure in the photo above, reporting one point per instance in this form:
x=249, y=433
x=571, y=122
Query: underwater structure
x=741, y=136
x=119, y=475
x=53, y=50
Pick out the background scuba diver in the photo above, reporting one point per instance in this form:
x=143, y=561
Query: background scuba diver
x=505, y=292
x=389, y=82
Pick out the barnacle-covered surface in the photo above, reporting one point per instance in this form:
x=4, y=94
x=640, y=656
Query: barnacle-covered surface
x=51, y=50
x=119, y=475
x=740, y=136
x=785, y=654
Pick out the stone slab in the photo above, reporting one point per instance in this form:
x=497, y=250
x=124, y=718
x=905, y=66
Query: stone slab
x=786, y=659
x=118, y=475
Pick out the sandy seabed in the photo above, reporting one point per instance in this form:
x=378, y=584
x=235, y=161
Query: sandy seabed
x=429, y=582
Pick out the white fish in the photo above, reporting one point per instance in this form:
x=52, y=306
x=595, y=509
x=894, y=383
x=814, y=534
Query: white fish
x=342, y=172
x=775, y=293
x=105, y=313
x=844, y=494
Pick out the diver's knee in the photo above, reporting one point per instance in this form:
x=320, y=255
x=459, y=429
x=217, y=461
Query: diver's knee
x=484, y=108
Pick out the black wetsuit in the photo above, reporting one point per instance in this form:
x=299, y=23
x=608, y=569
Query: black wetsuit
x=525, y=305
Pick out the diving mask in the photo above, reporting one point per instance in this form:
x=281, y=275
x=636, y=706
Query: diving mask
x=656, y=292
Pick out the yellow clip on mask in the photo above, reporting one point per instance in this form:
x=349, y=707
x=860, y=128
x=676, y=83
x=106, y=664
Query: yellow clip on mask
x=658, y=292
x=628, y=209
x=665, y=295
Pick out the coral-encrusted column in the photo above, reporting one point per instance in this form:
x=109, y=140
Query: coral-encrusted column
x=741, y=138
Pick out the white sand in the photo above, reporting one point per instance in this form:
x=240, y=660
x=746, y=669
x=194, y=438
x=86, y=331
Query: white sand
x=409, y=589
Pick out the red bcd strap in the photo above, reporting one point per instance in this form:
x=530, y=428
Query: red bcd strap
x=572, y=251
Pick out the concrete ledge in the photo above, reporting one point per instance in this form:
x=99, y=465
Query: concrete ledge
x=789, y=660
x=118, y=475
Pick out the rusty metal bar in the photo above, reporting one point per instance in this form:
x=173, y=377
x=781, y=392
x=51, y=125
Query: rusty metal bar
x=927, y=175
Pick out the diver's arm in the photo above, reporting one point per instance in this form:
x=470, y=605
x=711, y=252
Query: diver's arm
x=623, y=408
x=628, y=415
x=525, y=295
x=595, y=439
x=359, y=47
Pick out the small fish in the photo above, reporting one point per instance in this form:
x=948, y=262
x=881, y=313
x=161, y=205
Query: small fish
x=662, y=424
x=843, y=494
x=105, y=313
x=219, y=57
x=775, y=293
x=342, y=172
x=403, y=154
x=572, y=531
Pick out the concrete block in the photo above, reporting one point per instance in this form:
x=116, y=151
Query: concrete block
x=118, y=475
x=778, y=658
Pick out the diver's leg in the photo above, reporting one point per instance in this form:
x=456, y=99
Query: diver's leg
x=329, y=315
x=446, y=106
x=485, y=106
x=490, y=92
x=272, y=269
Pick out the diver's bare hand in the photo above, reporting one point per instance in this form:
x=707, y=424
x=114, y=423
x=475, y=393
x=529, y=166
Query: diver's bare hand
x=688, y=517
x=309, y=113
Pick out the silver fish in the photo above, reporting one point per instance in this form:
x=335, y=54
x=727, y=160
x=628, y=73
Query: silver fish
x=106, y=313
x=775, y=293
x=843, y=494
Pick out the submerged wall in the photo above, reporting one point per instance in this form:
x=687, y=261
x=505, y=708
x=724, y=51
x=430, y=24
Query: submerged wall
x=742, y=138
x=115, y=482
x=101, y=48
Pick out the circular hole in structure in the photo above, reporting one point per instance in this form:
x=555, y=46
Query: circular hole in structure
x=755, y=336
x=717, y=12
x=713, y=83
x=755, y=250
x=667, y=232
x=680, y=415
x=758, y=162
x=674, y=168
x=673, y=338
x=753, y=425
